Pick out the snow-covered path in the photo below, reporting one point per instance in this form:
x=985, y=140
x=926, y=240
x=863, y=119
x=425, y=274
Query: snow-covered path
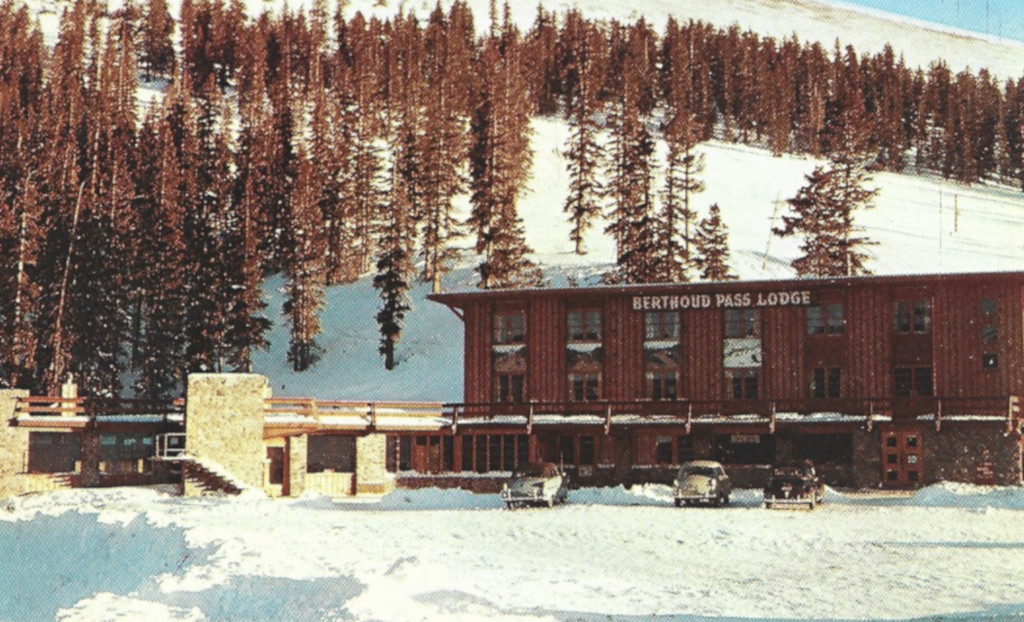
x=432, y=555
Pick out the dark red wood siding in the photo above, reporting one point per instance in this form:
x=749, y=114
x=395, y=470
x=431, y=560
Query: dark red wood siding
x=868, y=350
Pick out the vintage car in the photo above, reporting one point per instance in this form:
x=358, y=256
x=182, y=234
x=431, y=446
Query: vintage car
x=794, y=483
x=702, y=481
x=535, y=483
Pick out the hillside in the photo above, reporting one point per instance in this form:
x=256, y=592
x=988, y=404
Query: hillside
x=922, y=224
x=811, y=20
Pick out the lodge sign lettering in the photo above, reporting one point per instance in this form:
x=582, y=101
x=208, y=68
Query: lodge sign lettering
x=673, y=302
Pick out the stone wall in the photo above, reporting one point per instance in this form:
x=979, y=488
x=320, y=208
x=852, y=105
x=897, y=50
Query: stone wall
x=13, y=447
x=295, y=465
x=371, y=472
x=224, y=424
x=867, y=459
x=975, y=453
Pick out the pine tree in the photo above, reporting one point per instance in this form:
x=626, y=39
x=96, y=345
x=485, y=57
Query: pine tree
x=683, y=167
x=500, y=159
x=823, y=214
x=157, y=54
x=22, y=157
x=711, y=247
x=305, y=270
x=583, y=66
x=631, y=165
x=396, y=238
x=447, y=64
x=161, y=287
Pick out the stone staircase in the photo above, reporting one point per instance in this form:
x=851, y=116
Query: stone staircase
x=202, y=478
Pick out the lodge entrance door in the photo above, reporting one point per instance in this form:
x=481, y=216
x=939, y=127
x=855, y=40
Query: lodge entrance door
x=902, y=457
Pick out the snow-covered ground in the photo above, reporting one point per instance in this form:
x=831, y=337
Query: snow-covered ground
x=609, y=554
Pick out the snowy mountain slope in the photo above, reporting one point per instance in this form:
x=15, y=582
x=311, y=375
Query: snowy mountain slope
x=824, y=21
x=922, y=225
x=811, y=20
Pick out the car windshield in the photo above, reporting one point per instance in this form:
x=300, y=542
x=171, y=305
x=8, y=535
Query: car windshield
x=703, y=471
x=533, y=470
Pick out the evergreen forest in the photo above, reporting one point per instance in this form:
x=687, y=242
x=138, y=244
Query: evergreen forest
x=136, y=233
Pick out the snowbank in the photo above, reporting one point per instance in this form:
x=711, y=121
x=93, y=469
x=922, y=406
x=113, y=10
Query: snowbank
x=124, y=554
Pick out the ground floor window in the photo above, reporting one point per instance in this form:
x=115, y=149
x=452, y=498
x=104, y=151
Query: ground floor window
x=825, y=448
x=275, y=458
x=127, y=447
x=433, y=453
x=494, y=452
x=399, y=453
x=745, y=448
x=664, y=448
x=331, y=453
x=587, y=453
x=53, y=452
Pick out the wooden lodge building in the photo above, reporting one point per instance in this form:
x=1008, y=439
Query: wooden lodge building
x=882, y=381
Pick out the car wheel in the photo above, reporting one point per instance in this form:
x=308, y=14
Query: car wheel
x=679, y=503
x=811, y=503
x=725, y=500
x=767, y=505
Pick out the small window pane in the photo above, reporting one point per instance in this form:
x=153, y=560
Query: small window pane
x=835, y=318
x=586, y=449
x=901, y=317
x=818, y=383
x=989, y=361
x=989, y=306
x=989, y=333
x=902, y=381
x=815, y=321
x=923, y=381
x=663, y=450
x=922, y=316
x=835, y=379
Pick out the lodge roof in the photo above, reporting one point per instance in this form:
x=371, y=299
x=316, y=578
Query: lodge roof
x=459, y=299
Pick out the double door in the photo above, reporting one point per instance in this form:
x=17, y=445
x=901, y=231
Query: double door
x=902, y=457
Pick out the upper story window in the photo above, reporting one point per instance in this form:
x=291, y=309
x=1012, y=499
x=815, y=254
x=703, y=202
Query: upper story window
x=741, y=323
x=509, y=327
x=584, y=325
x=826, y=319
x=661, y=326
x=989, y=306
x=913, y=316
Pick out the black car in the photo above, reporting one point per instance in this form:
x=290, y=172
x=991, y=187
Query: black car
x=794, y=483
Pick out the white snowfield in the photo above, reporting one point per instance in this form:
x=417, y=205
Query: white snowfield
x=129, y=554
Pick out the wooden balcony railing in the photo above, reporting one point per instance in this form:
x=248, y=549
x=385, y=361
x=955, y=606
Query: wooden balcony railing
x=1002, y=407
x=368, y=411
x=96, y=407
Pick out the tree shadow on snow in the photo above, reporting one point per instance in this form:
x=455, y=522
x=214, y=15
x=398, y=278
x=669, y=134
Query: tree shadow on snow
x=52, y=562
